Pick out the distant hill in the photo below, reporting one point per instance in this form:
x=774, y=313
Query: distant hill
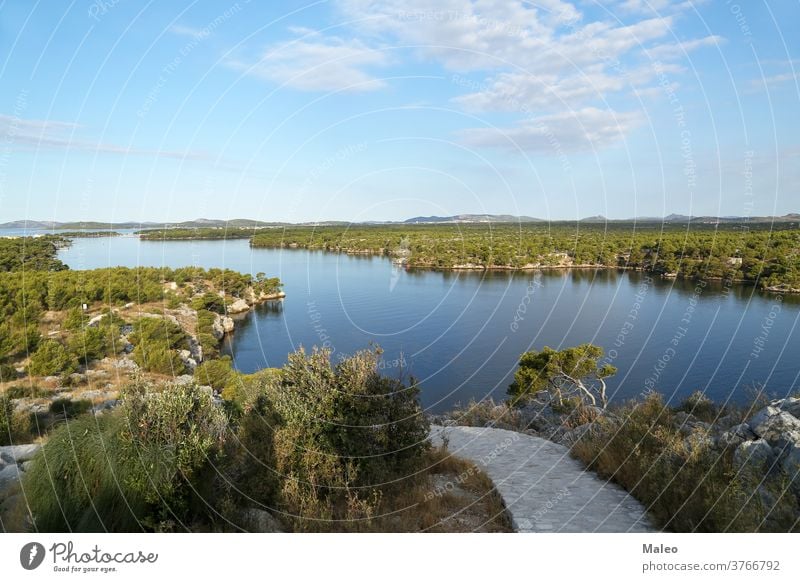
x=471, y=218
x=240, y=223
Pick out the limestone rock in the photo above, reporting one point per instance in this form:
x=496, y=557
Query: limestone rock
x=238, y=306
x=19, y=453
x=790, y=405
x=260, y=521
x=757, y=454
x=221, y=326
x=187, y=359
x=8, y=475
x=780, y=429
x=791, y=466
x=735, y=436
x=95, y=321
x=126, y=364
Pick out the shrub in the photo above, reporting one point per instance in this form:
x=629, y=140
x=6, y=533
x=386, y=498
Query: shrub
x=75, y=319
x=155, y=341
x=131, y=469
x=214, y=373
x=23, y=391
x=51, y=358
x=700, y=406
x=92, y=343
x=159, y=359
x=250, y=477
x=68, y=408
x=8, y=373
x=686, y=484
x=209, y=302
x=346, y=431
x=15, y=426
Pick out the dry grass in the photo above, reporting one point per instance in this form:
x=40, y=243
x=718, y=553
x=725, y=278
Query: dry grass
x=451, y=496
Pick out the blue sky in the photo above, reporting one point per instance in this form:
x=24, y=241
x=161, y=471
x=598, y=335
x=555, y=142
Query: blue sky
x=382, y=110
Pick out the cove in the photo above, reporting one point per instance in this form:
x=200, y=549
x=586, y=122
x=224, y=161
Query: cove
x=460, y=333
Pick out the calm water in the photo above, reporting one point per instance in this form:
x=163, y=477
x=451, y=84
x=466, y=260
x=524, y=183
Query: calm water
x=460, y=334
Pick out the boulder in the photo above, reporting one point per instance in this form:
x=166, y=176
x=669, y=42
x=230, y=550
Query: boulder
x=238, y=306
x=95, y=321
x=790, y=405
x=195, y=349
x=8, y=475
x=228, y=324
x=221, y=326
x=187, y=359
x=260, y=521
x=791, y=466
x=19, y=453
x=126, y=364
x=735, y=436
x=780, y=429
x=183, y=380
x=755, y=454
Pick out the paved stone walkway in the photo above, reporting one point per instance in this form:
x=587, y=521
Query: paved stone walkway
x=544, y=489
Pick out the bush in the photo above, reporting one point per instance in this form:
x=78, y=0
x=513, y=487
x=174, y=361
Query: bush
x=24, y=391
x=15, y=427
x=686, y=484
x=214, y=373
x=155, y=341
x=8, y=373
x=51, y=358
x=700, y=406
x=68, y=408
x=209, y=302
x=346, y=431
x=249, y=471
x=131, y=469
x=92, y=343
x=75, y=319
x=159, y=359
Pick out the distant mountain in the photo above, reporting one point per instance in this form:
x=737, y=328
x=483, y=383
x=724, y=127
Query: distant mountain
x=471, y=218
x=455, y=219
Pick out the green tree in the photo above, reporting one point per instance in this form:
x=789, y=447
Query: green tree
x=566, y=374
x=51, y=358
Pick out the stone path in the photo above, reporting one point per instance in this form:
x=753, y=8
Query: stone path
x=544, y=489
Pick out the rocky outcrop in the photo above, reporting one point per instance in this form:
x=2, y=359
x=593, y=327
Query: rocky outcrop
x=222, y=325
x=238, y=306
x=13, y=462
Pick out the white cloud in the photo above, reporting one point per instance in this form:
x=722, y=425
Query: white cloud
x=190, y=31
x=680, y=49
x=771, y=81
x=37, y=135
x=315, y=62
x=560, y=133
x=657, y=6
x=522, y=92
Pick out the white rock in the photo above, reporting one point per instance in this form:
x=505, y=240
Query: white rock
x=19, y=453
x=8, y=475
x=791, y=466
x=126, y=364
x=780, y=430
x=757, y=454
x=239, y=306
x=95, y=321
x=790, y=405
x=260, y=521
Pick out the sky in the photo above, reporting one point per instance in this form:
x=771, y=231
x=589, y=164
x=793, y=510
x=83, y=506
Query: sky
x=356, y=110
